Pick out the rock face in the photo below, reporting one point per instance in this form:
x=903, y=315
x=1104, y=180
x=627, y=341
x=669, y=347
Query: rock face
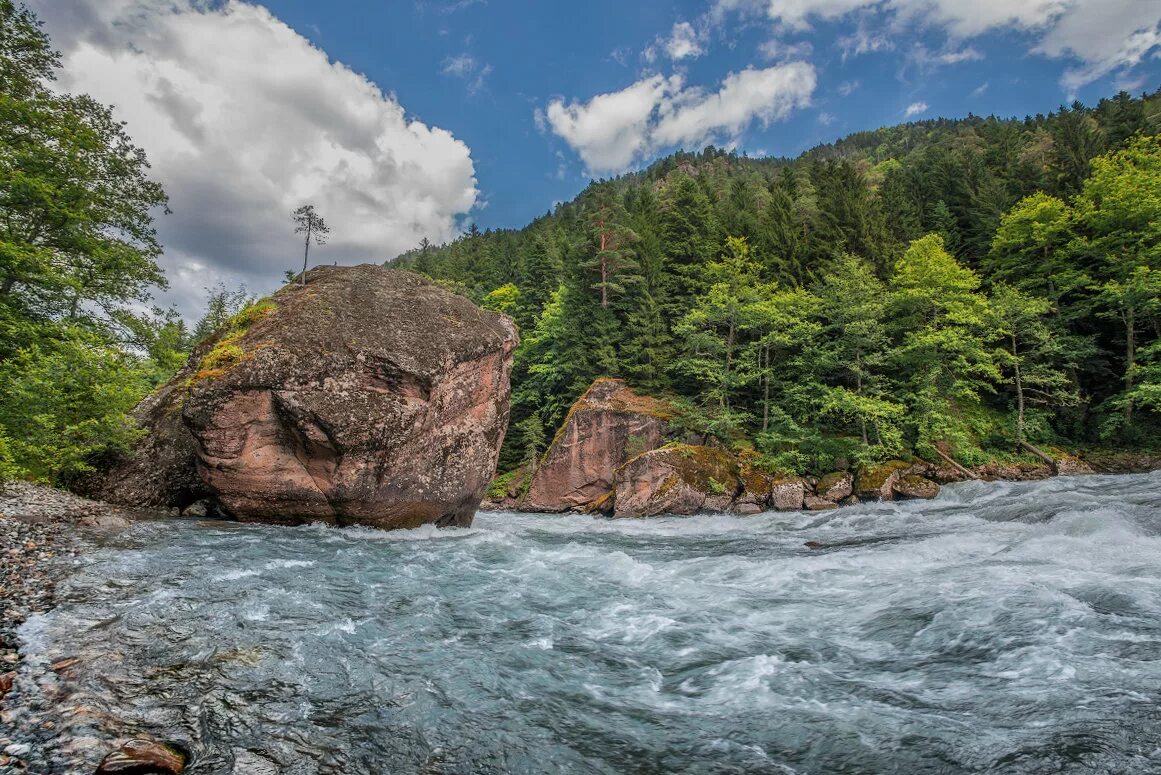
x=677, y=479
x=368, y=396
x=606, y=427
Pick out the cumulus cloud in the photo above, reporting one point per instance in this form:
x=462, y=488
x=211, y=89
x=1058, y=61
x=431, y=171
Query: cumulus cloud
x=244, y=120
x=612, y=131
x=915, y=108
x=1102, y=35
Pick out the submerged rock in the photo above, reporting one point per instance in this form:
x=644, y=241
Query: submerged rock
x=606, y=427
x=144, y=757
x=677, y=479
x=368, y=396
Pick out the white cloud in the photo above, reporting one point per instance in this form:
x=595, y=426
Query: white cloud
x=1103, y=36
x=683, y=42
x=915, y=108
x=243, y=120
x=469, y=69
x=612, y=131
x=781, y=51
x=847, y=88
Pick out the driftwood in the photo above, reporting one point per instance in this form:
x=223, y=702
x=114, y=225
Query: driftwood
x=1042, y=455
x=955, y=465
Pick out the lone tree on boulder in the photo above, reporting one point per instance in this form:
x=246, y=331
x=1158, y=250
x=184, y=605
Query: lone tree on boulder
x=309, y=222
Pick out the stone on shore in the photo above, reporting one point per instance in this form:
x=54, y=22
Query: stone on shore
x=606, y=427
x=679, y=479
x=876, y=482
x=368, y=396
x=913, y=486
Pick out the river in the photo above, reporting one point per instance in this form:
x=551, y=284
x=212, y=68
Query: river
x=1002, y=628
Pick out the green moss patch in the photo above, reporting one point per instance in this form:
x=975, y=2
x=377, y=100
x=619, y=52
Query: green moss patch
x=228, y=350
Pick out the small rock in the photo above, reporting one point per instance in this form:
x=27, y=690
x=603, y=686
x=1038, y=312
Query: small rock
x=199, y=510
x=836, y=486
x=914, y=486
x=6, y=682
x=788, y=494
x=144, y=757
x=61, y=665
x=815, y=503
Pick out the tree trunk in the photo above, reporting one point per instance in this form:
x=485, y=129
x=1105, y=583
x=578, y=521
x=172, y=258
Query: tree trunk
x=859, y=388
x=729, y=363
x=305, y=254
x=764, y=356
x=604, y=272
x=1019, y=393
x=1130, y=360
x=1042, y=455
x=955, y=465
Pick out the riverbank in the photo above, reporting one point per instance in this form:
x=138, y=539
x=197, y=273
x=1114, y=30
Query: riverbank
x=39, y=543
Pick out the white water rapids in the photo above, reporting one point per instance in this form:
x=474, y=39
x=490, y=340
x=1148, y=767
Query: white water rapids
x=1003, y=628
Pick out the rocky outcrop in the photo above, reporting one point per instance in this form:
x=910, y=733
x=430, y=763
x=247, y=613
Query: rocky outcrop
x=677, y=479
x=606, y=427
x=368, y=396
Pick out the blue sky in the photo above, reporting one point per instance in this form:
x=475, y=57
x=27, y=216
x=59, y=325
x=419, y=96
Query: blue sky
x=411, y=119
x=482, y=69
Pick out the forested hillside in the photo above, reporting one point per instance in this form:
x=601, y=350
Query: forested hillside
x=978, y=282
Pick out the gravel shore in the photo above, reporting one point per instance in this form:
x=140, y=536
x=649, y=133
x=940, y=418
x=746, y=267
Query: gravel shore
x=38, y=539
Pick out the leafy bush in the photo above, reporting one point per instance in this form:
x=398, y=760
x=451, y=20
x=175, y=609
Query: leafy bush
x=64, y=402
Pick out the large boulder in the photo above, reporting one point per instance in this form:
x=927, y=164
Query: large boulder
x=606, y=427
x=368, y=396
x=676, y=479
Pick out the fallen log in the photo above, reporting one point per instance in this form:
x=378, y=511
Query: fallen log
x=1042, y=455
x=955, y=465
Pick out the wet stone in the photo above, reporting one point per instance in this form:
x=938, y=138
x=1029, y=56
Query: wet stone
x=144, y=757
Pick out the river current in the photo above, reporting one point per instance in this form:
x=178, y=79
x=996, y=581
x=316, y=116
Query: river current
x=1002, y=628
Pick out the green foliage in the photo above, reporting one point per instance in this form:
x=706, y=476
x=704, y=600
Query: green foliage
x=63, y=404
x=498, y=487
x=77, y=261
x=228, y=351
x=504, y=299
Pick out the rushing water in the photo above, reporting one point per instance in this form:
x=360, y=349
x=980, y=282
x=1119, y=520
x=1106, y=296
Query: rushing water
x=1002, y=628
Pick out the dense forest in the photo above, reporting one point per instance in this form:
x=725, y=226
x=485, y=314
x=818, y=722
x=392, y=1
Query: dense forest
x=977, y=282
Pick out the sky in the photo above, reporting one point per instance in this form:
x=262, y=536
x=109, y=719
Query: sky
x=406, y=119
